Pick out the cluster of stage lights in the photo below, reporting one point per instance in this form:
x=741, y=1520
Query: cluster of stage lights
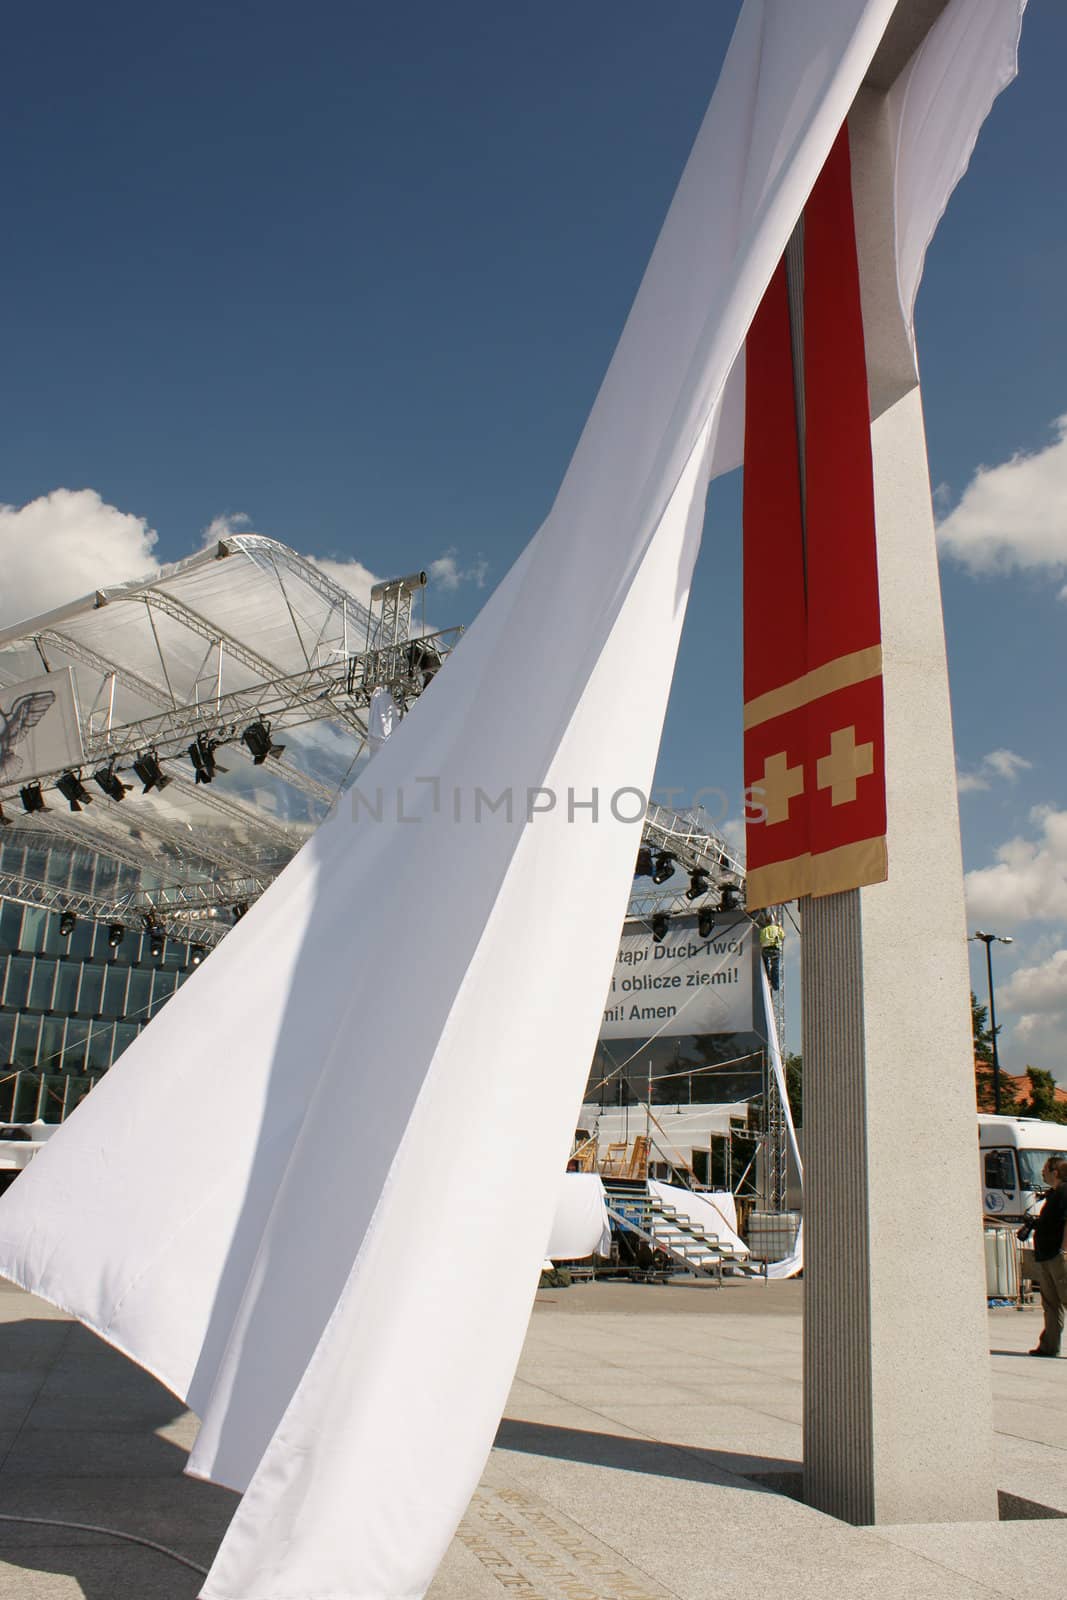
x=146, y=768
x=660, y=866
x=156, y=934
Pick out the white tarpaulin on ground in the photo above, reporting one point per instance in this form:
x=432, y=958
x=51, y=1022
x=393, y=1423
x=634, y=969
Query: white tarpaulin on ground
x=715, y=1212
x=683, y=984
x=39, y=731
x=581, y=1226
x=285, y=1276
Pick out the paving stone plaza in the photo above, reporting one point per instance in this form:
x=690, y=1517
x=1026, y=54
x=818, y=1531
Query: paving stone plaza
x=649, y=1451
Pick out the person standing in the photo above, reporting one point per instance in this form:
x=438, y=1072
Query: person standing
x=1050, y=1253
x=771, y=940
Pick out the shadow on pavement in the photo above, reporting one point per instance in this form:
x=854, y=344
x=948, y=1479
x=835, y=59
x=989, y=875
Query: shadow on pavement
x=83, y=1440
x=623, y=1454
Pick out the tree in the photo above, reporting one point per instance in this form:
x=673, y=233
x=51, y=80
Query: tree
x=1043, y=1102
x=983, y=1064
x=983, y=1033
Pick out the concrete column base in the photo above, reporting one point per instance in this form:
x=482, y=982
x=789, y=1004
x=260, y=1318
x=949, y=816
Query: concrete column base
x=898, y=1416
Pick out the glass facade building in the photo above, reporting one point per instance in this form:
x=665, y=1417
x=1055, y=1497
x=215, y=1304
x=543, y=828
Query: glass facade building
x=70, y=1004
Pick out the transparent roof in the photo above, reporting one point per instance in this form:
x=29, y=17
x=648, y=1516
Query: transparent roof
x=247, y=633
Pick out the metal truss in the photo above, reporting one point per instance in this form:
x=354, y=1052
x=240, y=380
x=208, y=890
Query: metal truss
x=292, y=701
x=187, y=925
x=695, y=847
x=356, y=621
x=690, y=837
x=775, y=1143
x=395, y=596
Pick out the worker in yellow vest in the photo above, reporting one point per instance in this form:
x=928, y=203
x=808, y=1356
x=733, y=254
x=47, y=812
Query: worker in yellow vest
x=771, y=940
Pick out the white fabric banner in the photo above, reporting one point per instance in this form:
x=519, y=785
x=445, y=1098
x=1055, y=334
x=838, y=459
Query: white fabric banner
x=793, y=1263
x=383, y=715
x=581, y=1226
x=352, y=1383
x=39, y=730
x=684, y=984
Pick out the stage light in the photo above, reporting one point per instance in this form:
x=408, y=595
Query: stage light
x=32, y=798
x=71, y=788
x=108, y=780
x=5, y=822
x=699, y=883
x=660, y=923
x=257, y=737
x=67, y=924
x=157, y=940
x=240, y=910
x=733, y=898
x=424, y=660
x=643, y=867
x=664, y=867
x=706, y=923
x=150, y=772
x=115, y=935
x=202, y=755
x=197, y=954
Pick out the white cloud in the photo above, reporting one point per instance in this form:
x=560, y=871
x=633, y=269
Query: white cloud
x=70, y=542
x=447, y=573
x=350, y=575
x=1006, y=764
x=1029, y=879
x=1014, y=515
x=1038, y=994
x=997, y=764
x=1038, y=990
x=221, y=527
x=64, y=545
x=733, y=831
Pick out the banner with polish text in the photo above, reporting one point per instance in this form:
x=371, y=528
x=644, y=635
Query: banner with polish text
x=684, y=984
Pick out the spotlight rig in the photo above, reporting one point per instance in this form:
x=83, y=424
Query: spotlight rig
x=699, y=883
x=73, y=789
x=32, y=799
x=733, y=897
x=150, y=772
x=202, y=755
x=67, y=924
x=643, y=865
x=115, y=934
x=108, y=780
x=664, y=867
x=257, y=737
x=660, y=923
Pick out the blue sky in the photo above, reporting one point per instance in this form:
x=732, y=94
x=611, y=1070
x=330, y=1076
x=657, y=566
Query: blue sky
x=355, y=273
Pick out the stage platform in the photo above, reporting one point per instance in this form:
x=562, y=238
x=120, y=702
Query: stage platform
x=649, y=1452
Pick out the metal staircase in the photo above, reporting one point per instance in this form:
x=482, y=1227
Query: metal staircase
x=688, y=1244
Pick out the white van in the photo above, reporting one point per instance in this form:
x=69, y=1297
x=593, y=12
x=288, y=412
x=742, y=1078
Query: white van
x=1011, y=1153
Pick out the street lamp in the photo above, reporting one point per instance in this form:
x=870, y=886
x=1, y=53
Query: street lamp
x=987, y=939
